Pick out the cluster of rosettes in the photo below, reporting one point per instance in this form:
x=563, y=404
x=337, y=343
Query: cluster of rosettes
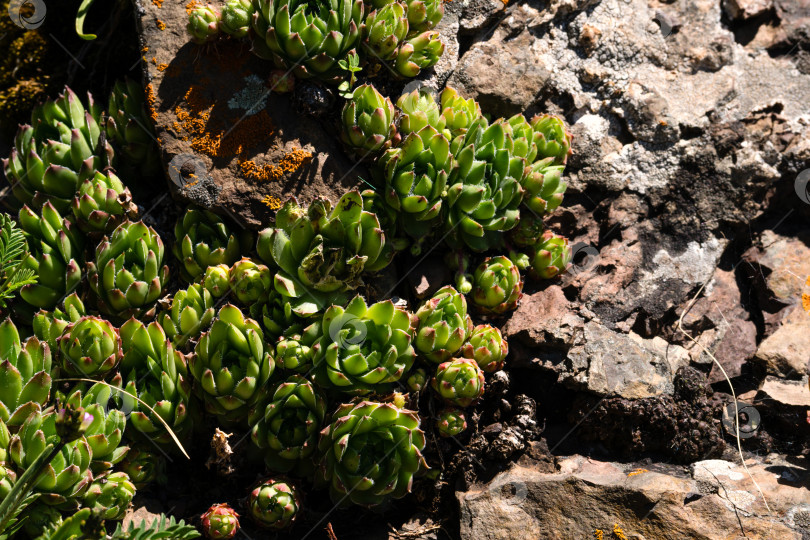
x=317, y=39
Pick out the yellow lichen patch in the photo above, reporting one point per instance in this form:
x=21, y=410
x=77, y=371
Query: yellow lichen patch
x=637, y=471
x=599, y=534
x=150, y=102
x=263, y=173
x=160, y=24
x=618, y=532
x=274, y=203
x=191, y=5
x=162, y=67
x=158, y=3
x=145, y=50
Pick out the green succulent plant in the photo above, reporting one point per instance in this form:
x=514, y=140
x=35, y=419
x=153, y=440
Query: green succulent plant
x=126, y=274
x=364, y=348
x=321, y=252
x=297, y=351
x=458, y=113
x=287, y=427
x=550, y=257
x=130, y=128
x=67, y=476
x=444, y=325
x=216, y=280
x=250, y=281
x=90, y=347
x=419, y=109
x=236, y=17
x=231, y=365
x=384, y=29
x=40, y=518
x=277, y=316
x=203, y=24
x=416, y=175
x=105, y=431
x=220, y=522
x=55, y=255
x=451, y=422
x=459, y=381
x=368, y=120
x=309, y=38
x=371, y=451
x=528, y=232
x=552, y=138
x=158, y=375
x=204, y=239
x=102, y=203
x=417, y=380
x=487, y=347
x=424, y=14
x=275, y=504
x=418, y=52
x=485, y=189
x=497, y=286
x=190, y=312
x=111, y=494
x=59, y=150
x=50, y=325
x=142, y=466
x=25, y=375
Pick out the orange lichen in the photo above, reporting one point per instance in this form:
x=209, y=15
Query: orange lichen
x=806, y=298
x=599, y=534
x=637, y=471
x=158, y=3
x=162, y=67
x=191, y=5
x=150, y=102
x=145, y=50
x=290, y=162
x=160, y=24
x=274, y=203
x=618, y=532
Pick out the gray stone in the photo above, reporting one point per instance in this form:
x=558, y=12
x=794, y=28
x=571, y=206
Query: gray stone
x=786, y=352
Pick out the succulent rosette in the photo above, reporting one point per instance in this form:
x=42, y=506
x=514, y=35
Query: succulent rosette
x=416, y=175
x=127, y=274
x=216, y=280
x=190, y=312
x=451, y=422
x=297, y=351
x=384, y=29
x=459, y=381
x=485, y=188
x=528, y=232
x=275, y=504
x=105, y=430
x=130, y=128
x=57, y=151
x=550, y=257
x=102, y=203
x=204, y=239
x=50, y=325
x=157, y=374
x=368, y=120
x=375, y=203
x=236, y=17
x=40, y=518
x=67, y=476
x=552, y=138
x=25, y=375
x=487, y=347
x=307, y=37
x=142, y=466
x=544, y=187
x=424, y=14
x=55, y=255
x=497, y=286
x=203, y=24
x=458, y=113
x=287, y=427
x=364, y=348
x=419, y=109
x=250, y=281
x=418, y=52
x=417, y=380
x=277, y=316
x=443, y=326
x=111, y=494
x=370, y=452
x=322, y=252
x=220, y=522
x=90, y=347
x=231, y=364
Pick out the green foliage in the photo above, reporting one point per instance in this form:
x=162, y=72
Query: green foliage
x=13, y=249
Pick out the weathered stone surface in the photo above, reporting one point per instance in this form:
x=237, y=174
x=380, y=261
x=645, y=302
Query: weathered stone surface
x=786, y=352
x=746, y=9
x=545, y=319
x=585, y=495
x=475, y=15
x=787, y=393
x=736, y=345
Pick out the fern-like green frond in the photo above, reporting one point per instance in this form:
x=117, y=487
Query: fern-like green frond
x=162, y=527
x=13, y=249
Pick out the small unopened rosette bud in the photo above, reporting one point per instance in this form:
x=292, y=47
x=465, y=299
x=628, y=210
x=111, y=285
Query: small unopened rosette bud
x=451, y=422
x=220, y=522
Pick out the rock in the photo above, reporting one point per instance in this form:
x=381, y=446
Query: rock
x=746, y=9
x=545, y=319
x=783, y=407
x=736, y=345
x=777, y=269
x=611, y=364
x=475, y=15
x=585, y=495
x=787, y=393
x=787, y=351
